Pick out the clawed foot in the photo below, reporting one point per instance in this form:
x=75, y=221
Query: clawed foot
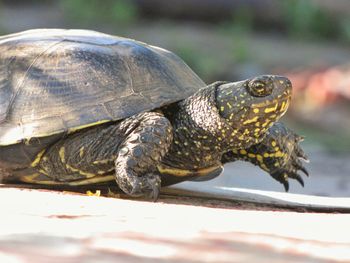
x=292, y=163
x=148, y=186
x=142, y=186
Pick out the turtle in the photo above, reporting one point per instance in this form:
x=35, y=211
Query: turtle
x=80, y=107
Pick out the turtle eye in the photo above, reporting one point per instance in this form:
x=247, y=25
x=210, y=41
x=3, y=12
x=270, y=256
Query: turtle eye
x=259, y=88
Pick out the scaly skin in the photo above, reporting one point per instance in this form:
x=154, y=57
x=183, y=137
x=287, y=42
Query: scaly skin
x=278, y=154
x=139, y=154
x=130, y=148
x=188, y=140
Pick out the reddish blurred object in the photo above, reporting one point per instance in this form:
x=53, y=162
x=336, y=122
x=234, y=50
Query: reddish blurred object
x=317, y=88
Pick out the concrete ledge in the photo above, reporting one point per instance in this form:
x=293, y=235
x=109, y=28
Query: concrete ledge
x=49, y=226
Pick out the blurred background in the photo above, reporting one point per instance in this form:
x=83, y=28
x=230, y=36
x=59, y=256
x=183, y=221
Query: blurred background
x=306, y=40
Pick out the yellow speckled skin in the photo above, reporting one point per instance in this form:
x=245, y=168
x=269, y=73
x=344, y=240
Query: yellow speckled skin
x=81, y=107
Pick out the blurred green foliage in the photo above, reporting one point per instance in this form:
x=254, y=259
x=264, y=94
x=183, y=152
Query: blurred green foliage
x=205, y=64
x=345, y=29
x=299, y=18
x=242, y=21
x=87, y=12
x=238, y=27
x=335, y=142
x=307, y=20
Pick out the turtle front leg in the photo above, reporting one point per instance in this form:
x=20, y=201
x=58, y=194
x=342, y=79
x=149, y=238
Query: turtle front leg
x=278, y=153
x=139, y=154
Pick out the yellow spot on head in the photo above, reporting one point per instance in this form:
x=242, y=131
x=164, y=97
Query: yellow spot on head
x=284, y=106
x=256, y=110
x=272, y=109
x=251, y=120
x=222, y=108
x=273, y=143
x=266, y=123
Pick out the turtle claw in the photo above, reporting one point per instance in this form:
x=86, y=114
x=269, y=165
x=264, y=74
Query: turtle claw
x=299, y=166
x=150, y=186
x=154, y=195
x=303, y=169
x=289, y=166
x=286, y=185
x=299, y=179
x=283, y=175
x=144, y=186
x=290, y=170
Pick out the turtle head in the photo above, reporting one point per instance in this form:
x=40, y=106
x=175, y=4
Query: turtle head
x=251, y=106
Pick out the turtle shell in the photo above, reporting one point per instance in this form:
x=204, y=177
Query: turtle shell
x=56, y=81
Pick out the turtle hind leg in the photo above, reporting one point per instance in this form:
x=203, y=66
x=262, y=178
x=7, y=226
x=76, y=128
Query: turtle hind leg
x=139, y=154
